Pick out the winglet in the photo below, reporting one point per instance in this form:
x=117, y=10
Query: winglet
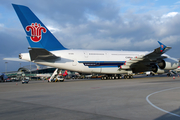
x=162, y=46
x=157, y=52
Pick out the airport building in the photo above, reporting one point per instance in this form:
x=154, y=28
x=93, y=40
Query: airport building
x=34, y=71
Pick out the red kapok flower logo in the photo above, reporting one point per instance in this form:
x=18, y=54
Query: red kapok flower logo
x=36, y=31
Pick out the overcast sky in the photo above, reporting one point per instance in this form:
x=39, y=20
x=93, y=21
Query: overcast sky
x=134, y=25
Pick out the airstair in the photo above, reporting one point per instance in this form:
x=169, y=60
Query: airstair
x=55, y=74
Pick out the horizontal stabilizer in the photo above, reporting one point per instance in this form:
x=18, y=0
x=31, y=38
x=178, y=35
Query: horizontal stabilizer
x=38, y=53
x=14, y=59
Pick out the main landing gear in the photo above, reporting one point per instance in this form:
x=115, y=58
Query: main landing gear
x=128, y=76
x=116, y=77
x=111, y=77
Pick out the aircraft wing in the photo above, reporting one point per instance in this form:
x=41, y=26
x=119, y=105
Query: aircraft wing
x=157, y=52
x=143, y=62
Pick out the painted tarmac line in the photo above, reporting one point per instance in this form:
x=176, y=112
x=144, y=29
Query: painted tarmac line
x=147, y=99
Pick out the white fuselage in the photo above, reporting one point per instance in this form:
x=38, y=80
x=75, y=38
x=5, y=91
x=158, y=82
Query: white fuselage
x=89, y=61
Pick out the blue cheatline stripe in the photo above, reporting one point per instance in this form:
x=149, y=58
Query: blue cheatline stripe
x=102, y=64
x=101, y=61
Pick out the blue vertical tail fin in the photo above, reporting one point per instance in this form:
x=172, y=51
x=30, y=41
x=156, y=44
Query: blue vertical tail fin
x=37, y=33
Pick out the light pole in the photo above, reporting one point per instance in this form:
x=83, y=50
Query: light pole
x=6, y=67
x=30, y=70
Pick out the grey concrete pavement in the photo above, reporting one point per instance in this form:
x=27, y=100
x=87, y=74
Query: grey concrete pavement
x=90, y=99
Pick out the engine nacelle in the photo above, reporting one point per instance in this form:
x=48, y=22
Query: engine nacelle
x=156, y=69
x=168, y=64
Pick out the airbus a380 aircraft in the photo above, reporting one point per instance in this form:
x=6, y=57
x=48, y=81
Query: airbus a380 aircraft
x=47, y=50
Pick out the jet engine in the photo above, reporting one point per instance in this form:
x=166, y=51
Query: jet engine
x=156, y=69
x=168, y=64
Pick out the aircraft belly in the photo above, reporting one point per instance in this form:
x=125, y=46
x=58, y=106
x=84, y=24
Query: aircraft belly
x=112, y=71
x=96, y=70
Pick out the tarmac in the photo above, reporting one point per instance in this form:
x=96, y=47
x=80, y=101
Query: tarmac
x=141, y=98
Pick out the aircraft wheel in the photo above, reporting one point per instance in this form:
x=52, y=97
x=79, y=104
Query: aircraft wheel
x=130, y=77
x=103, y=78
